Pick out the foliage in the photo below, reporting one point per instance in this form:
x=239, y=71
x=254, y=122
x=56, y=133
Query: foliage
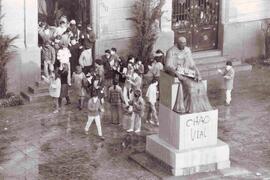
x=11, y=100
x=147, y=14
x=6, y=45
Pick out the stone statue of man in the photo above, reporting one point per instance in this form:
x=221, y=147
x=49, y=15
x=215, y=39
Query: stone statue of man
x=191, y=95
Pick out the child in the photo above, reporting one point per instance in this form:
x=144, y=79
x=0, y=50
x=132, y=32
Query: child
x=151, y=95
x=138, y=112
x=48, y=57
x=63, y=72
x=115, y=98
x=54, y=89
x=63, y=55
x=94, y=109
x=77, y=79
x=228, y=75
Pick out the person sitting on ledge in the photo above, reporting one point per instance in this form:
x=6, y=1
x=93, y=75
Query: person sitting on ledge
x=191, y=95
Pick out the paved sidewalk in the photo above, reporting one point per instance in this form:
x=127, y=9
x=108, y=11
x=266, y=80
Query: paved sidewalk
x=36, y=144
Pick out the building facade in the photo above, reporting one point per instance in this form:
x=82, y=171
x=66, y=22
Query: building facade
x=232, y=26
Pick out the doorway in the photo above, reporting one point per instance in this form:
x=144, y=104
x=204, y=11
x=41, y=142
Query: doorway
x=197, y=20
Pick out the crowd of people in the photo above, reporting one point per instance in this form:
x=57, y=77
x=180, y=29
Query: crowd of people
x=128, y=85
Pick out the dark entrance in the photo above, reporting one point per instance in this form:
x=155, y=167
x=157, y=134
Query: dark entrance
x=50, y=11
x=197, y=20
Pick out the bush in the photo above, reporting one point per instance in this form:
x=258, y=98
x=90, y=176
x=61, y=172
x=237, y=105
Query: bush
x=146, y=14
x=6, y=45
x=11, y=100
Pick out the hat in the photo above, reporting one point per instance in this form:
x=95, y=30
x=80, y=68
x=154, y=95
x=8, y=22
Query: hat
x=73, y=22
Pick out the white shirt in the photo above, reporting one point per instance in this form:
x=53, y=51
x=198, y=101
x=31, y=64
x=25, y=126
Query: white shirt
x=63, y=55
x=152, y=93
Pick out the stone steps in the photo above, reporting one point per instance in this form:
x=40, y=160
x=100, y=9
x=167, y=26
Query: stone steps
x=37, y=92
x=206, y=54
x=217, y=65
x=35, y=97
x=209, y=61
x=213, y=71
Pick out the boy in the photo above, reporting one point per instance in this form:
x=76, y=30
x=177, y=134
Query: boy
x=94, y=109
x=228, y=75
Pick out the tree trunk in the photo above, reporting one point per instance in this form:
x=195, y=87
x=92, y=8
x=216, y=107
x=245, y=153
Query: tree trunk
x=3, y=82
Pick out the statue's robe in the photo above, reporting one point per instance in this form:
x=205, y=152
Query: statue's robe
x=191, y=95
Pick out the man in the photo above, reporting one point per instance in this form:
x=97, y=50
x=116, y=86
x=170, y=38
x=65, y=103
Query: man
x=74, y=48
x=115, y=63
x=115, y=98
x=107, y=59
x=86, y=60
x=191, y=95
x=88, y=37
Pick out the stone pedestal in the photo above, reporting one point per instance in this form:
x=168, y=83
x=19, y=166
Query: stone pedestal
x=188, y=143
x=187, y=162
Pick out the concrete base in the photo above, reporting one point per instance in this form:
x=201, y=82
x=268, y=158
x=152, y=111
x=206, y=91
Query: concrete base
x=191, y=161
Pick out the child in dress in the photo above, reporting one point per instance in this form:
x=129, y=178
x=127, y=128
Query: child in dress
x=77, y=79
x=54, y=88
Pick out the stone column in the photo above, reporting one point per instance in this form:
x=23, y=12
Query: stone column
x=21, y=19
x=166, y=35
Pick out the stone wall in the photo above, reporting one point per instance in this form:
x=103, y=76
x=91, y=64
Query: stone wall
x=21, y=19
x=241, y=22
x=113, y=28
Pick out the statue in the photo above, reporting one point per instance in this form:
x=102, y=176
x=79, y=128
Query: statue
x=191, y=95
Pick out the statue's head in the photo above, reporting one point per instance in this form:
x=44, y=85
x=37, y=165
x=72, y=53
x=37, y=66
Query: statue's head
x=181, y=42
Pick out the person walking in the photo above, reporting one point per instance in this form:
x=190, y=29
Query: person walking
x=94, y=110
